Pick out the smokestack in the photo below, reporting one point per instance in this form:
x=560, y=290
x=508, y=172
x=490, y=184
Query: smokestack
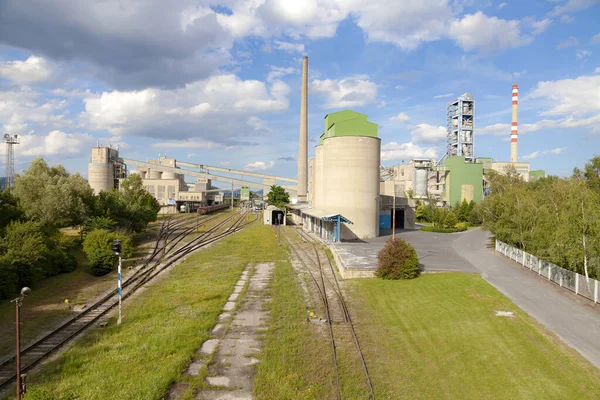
x=514, y=129
x=303, y=147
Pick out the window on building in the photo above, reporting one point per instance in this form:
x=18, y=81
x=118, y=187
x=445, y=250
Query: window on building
x=160, y=194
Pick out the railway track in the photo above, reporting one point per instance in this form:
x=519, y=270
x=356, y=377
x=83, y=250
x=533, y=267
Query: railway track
x=339, y=321
x=167, y=250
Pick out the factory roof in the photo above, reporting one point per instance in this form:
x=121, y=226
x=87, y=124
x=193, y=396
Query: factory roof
x=325, y=216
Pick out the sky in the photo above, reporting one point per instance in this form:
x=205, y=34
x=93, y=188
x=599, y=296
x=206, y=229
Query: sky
x=218, y=82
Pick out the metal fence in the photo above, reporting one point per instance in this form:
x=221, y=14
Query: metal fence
x=570, y=280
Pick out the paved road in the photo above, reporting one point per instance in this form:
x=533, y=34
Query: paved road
x=575, y=320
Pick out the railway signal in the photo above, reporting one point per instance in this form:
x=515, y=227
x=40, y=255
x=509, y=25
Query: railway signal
x=117, y=248
x=21, y=383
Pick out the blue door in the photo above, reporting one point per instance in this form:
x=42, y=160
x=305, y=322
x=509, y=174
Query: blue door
x=385, y=222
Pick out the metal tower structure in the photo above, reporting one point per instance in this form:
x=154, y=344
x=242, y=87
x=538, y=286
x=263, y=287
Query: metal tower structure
x=460, y=127
x=10, y=141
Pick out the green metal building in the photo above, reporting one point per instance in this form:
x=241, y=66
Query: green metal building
x=245, y=193
x=348, y=123
x=536, y=174
x=464, y=180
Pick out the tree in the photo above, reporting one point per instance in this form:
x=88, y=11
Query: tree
x=450, y=220
x=98, y=248
x=278, y=196
x=53, y=197
x=397, y=260
x=463, y=211
x=9, y=209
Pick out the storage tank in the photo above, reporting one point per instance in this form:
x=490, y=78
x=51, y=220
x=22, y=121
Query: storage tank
x=169, y=175
x=101, y=176
x=142, y=174
x=318, y=178
x=350, y=171
x=420, y=182
x=154, y=174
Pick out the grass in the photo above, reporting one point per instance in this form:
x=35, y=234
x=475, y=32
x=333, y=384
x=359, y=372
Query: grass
x=437, y=337
x=162, y=329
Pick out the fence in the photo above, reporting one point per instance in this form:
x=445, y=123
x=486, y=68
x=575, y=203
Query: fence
x=570, y=280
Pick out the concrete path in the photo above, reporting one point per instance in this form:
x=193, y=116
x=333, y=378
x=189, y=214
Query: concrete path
x=575, y=320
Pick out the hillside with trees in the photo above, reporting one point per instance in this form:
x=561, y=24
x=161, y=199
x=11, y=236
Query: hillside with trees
x=556, y=219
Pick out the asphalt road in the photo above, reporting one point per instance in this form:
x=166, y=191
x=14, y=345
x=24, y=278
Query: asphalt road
x=575, y=320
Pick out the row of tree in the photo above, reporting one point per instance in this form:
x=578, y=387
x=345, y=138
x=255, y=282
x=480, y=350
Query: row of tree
x=557, y=219
x=458, y=217
x=45, y=199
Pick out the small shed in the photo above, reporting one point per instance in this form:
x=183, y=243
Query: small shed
x=274, y=216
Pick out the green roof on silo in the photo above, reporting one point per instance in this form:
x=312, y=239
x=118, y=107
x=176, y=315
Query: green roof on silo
x=348, y=123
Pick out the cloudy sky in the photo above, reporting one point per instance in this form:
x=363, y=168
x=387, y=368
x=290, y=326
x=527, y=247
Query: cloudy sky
x=218, y=82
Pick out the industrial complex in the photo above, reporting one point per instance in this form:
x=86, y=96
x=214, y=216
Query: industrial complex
x=343, y=192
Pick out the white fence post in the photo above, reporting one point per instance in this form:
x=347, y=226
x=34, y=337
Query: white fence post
x=523, y=262
x=560, y=279
x=576, y=283
x=539, y=266
x=595, y=291
x=549, y=272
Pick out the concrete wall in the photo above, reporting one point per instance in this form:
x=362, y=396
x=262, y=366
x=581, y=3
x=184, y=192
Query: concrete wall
x=351, y=183
x=522, y=168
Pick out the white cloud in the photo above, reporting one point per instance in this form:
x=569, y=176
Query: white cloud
x=531, y=156
x=258, y=125
x=277, y=73
x=596, y=39
x=186, y=144
x=568, y=97
x=289, y=47
x=34, y=69
x=569, y=42
x=581, y=54
x=399, y=87
x=540, y=26
x=442, y=96
x=502, y=5
x=572, y=6
x=597, y=70
x=225, y=163
x=558, y=150
x=566, y=19
x=405, y=151
x=402, y=117
x=480, y=32
x=55, y=143
x=425, y=133
x=350, y=92
x=214, y=104
x=259, y=166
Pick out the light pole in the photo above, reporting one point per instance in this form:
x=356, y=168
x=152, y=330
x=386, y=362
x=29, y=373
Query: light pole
x=394, y=214
x=19, y=302
x=116, y=246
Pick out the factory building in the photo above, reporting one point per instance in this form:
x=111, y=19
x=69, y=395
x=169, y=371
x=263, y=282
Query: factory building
x=343, y=180
x=460, y=128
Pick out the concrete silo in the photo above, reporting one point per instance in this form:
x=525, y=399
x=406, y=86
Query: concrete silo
x=101, y=173
x=350, y=173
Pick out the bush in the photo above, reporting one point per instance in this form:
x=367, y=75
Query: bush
x=462, y=226
x=98, y=248
x=450, y=221
x=398, y=260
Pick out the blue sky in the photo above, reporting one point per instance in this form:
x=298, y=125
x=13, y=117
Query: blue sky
x=218, y=82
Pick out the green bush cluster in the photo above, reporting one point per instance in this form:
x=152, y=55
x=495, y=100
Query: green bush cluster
x=442, y=230
x=98, y=249
x=398, y=260
x=467, y=212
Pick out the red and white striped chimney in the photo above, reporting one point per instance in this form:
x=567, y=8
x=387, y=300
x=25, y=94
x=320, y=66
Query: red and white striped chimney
x=514, y=129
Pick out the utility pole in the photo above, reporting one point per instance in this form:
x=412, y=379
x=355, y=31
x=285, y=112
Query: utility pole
x=117, y=250
x=21, y=385
x=10, y=141
x=231, y=196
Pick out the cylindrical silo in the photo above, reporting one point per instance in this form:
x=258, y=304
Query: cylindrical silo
x=101, y=176
x=169, y=175
x=154, y=174
x=318, y=178
x=350, y=171
x=142, y=174
x=420, y=182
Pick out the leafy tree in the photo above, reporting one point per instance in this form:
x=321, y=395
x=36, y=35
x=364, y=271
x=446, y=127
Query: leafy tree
x=51, y=196
x=278, y=196
x=21, y=249
x=397, y=260
x=440, y=216
x=463, y=211
x=421, y=213
x=9, y=209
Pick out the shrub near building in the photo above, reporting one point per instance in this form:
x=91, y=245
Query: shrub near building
x=98, y=249
x=398, y=260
